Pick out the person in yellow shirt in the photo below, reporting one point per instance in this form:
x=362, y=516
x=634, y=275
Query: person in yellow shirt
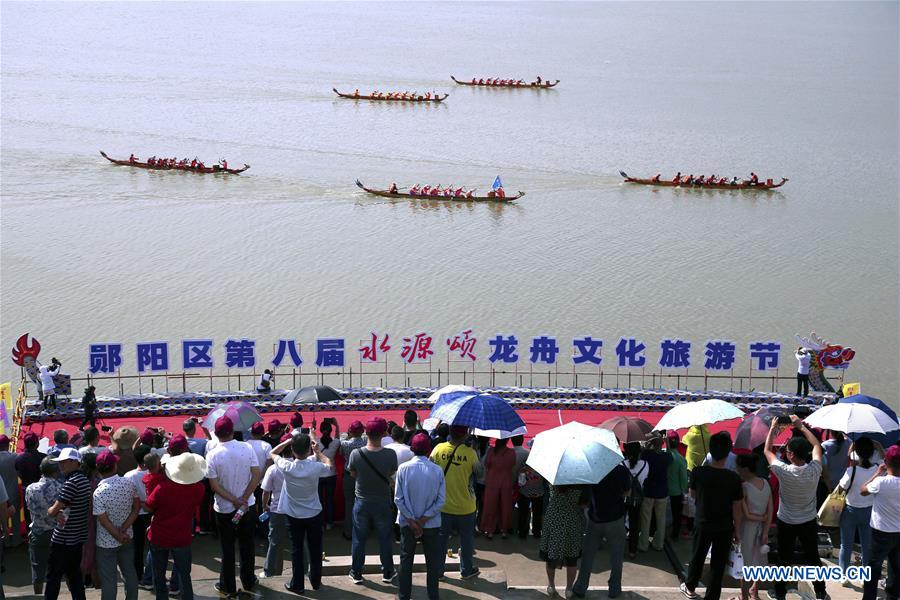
x=697, y=442
x=458, y=514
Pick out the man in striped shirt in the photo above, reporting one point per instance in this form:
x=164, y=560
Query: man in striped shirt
x=68, y=537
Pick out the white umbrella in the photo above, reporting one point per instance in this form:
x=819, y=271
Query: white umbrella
x=574, y=453
x=449, y=392
x=701, y=412
x=852, y=418
x=500, y=434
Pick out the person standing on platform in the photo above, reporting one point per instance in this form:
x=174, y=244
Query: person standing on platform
x=233, y=472
x=89, y=406
x=678, y=482
x=458, y=515
x=803, y=359
x=173, y=504
x=11, y=477
x=116, y=505
x=606, y=523
x=419, y=495
x=720, y=510
x=354, y=440
x=500, y=465
x=372, y=467
x=39, y=497
x=71, y=510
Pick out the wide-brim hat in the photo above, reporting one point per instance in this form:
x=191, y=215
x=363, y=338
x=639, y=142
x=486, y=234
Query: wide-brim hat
x=124, y=438
x=186, y=469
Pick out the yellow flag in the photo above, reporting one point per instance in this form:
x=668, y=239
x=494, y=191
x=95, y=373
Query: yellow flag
x=850, y=389
x=6, y=408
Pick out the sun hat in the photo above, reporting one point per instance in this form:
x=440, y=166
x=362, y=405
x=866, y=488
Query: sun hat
x=124, y=437
x=224, y=426
x=186, y=469
x=68, y=454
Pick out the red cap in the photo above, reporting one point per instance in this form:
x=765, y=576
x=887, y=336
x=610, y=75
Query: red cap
x=275, y=425
x=892, y=456
x=296, y=420
x=177, y=445
x=147, y=436
x=376, y=426
x=107, y=460
x=224, y=426
x=258, y=428
x=420, y=444
x=356, y=427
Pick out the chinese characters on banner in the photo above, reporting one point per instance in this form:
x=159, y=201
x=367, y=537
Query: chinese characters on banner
x=419, y=347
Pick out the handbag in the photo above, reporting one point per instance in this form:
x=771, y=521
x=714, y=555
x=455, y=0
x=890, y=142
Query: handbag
x=830, y=512
x=736, y=562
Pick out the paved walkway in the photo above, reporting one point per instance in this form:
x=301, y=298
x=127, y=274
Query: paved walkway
x=510, y=570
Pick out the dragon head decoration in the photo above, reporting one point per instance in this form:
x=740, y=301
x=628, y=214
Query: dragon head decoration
x=828, y=355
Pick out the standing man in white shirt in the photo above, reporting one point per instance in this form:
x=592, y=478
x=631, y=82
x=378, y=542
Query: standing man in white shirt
x=233, y=471
x=803, y=359
x=885, y=486
x=403, y=452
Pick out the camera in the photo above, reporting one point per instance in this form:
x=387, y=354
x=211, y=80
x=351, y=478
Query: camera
x=784, y=420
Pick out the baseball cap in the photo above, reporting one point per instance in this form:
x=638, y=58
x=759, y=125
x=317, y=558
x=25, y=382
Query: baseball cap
x=224, y=426
x=147, y=436
x=420, y=444
x=296, y=420
x=178, y=443
x=258, y=428
x=106, y=459
x=356, y=427
x=275, y=425
x=376, y=426
x=68, y=454
x=892, y=456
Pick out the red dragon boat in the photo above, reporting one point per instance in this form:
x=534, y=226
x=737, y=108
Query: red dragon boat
x=534, y=85
x=143, y=165
x=417, y=98
x=389, y=194
x=769, y=184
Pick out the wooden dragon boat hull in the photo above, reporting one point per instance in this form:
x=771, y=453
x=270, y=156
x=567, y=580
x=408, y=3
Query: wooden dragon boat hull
x=525, y=86
x=387, y=194
x=143, y=165
x=704, y=186
x=435, y=99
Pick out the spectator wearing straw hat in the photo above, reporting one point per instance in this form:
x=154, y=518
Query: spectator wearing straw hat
x=419, y=494
x=173, y=503
x=458, y=462
x=116, y=505
x=354, y=440
x=39, y=497
x=372, y=467
x=122, y=446
x=70, y=534
x=234, y=473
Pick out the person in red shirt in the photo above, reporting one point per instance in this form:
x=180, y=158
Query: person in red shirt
x=173, y=503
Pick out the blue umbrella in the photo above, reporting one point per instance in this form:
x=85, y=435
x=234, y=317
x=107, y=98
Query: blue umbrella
x=885, y=439
x=483, y=411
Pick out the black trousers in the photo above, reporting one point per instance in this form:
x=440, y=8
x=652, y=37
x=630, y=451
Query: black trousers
x=803, y=384
x=89, y=418
x=139, y=530
x=885, y=545
x=64, y=561
x=808, y=535
x=308, y=531
x=530, y=507
x=677, y=504
x=721, y=547
x=634, y=528
x=242, y=533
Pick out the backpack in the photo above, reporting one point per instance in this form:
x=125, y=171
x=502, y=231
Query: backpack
x=637, y=491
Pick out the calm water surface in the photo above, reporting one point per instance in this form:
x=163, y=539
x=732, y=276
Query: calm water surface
x=92, y=252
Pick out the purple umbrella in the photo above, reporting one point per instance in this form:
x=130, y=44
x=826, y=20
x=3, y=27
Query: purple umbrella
x=755, y=427
x=241, y=414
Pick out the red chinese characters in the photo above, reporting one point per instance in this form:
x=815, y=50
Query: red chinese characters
x=464, y=344
x=417, y=348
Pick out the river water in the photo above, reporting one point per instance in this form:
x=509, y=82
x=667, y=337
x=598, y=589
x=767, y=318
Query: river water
x=97, y=253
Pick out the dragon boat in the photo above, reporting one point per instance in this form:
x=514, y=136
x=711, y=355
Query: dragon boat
x=389, y=194
x=417, y=98
x=769, y=184
x=144, y=165
x=544, y=85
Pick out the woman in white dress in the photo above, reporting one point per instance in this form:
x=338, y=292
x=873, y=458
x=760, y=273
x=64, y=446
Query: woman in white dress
x=758, y=508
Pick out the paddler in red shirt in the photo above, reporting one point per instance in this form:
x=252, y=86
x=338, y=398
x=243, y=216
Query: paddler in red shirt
x=132, y=158
x=500, y=193
x=677, y=178
x=754, y=178
x=393, y=188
